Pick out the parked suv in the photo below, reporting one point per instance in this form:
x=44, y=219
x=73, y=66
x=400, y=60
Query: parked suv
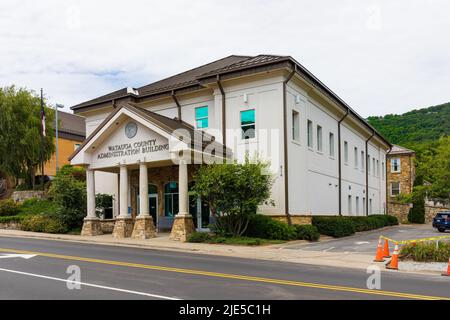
x=442, y=221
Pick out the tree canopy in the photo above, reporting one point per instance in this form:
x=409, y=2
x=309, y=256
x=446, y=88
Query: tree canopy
x=20, y=134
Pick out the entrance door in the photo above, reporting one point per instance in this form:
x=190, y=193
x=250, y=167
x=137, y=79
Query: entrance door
x=200, y=212
x=153, y=206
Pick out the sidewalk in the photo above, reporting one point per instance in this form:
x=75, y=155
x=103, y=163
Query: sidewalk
x=270, y=252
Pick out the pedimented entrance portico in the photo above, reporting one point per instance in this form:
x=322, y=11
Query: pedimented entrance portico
x=134, y=140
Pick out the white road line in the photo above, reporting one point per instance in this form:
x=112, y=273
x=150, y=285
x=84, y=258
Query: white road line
x=91, y=285
x=326, y=250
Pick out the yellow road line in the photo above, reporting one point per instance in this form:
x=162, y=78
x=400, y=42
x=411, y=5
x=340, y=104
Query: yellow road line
x=232, y=276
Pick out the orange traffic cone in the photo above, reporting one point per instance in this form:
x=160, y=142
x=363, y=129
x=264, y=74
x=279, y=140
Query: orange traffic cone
x=386, y=253
x=379, y=255
x=394, y=261
x=448, y=269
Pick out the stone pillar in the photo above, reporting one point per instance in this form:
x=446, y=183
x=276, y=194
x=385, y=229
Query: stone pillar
x=123, y=226
x=91, y=224
x=183, y=224
x=144, y=228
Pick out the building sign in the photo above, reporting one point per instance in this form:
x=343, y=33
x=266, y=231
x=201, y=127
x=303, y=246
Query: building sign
x=132, y=149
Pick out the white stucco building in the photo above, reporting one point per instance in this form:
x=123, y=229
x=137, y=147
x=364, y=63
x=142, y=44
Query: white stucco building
x=326, y=159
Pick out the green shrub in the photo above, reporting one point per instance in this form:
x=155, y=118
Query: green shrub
x=43, y=223
x=8, y=208
x=336, y=227
x=262, y=226
x=198, y=237
x=426, y=251
x=307, y=232
x=36, y=206
x=69, y=193
x=8, y=219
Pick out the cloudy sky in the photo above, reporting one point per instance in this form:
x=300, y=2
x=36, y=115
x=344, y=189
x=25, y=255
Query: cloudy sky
x=379, y=56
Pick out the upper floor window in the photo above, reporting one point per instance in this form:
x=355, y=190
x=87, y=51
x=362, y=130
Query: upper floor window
x=319, y=138
x=310, y=134
x=378, y=168
x=345, y=151
x=395, y=165
x=331, y=142
x=356, y=157
x=363, y=159
x=368, y=163
x=76, y=146
x=373, y=166
x=295, y=125
x=395, y=188
x=248, y=124
x=382, y=170
x=201, y=117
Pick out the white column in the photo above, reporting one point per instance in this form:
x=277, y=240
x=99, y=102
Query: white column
x=90, y=186
x=123, y=189
x=183, y=188
x=143, y=190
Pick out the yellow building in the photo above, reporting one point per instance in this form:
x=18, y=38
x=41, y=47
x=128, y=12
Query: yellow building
x=71, y=133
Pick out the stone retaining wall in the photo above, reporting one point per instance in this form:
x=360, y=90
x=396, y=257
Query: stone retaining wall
x=21, y=196
x=399, y=210
x=107, y=225
x=303, y=219
x=10, y=225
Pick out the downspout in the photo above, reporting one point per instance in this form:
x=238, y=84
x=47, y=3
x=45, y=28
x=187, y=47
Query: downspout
x=285, y=134
x=367, y=172
x=385, y=178
x=222, y=93
x=174, y=97
x=340, y=162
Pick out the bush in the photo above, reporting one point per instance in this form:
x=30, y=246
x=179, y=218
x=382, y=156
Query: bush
x=372, y=222
x=198, y=237
x=336, y=227
x=37, y=206
x=262, y=226
x=307, y=232
x=69, y=193
x=8, y=208
x=8, y=219
x=43, y=223
x=426, y=251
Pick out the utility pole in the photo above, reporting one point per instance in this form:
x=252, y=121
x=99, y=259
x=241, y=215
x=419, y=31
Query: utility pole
x=42, y=139
x=57, y=105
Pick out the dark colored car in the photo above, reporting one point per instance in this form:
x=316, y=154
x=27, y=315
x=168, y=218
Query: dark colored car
x=442, y=221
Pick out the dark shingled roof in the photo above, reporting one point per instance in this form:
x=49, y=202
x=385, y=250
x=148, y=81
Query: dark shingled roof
x=180, y=80
x=71, y=124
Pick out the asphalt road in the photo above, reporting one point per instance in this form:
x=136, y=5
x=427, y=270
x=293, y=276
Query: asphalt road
x=366, y=242
x=110, y=272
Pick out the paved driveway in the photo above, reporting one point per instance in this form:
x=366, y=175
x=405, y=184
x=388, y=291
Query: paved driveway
x=366, y=242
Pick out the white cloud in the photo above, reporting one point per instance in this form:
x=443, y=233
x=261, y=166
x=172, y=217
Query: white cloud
x=379, y=56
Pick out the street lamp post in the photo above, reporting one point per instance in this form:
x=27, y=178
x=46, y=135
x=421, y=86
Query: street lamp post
x=57, y=105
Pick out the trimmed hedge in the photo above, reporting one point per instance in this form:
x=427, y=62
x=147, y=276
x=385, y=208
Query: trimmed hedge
x=307, y=232
x=346, y=226
x=9, y=219
x=336, y=227
x=262, y=226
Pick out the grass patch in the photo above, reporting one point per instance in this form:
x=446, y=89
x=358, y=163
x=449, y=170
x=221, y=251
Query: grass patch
x=37, y=206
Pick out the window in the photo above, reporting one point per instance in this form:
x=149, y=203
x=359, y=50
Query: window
x=368, y=164
x=349, y=205
x=76, y=146
x=295, y=126
x=357, y=206
x=310, y=134
x=370, y=206
x=364, y=205
x=395, y=165
x=319, y=138
x=331, y=143
x=345, y=151
x=362, y=160
x=356, y=157
x=201, y=117
x=395, y=189
x=373, y=166
x=248, y=124
x=171, y=199
x=378, y=168
x=382, y=170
